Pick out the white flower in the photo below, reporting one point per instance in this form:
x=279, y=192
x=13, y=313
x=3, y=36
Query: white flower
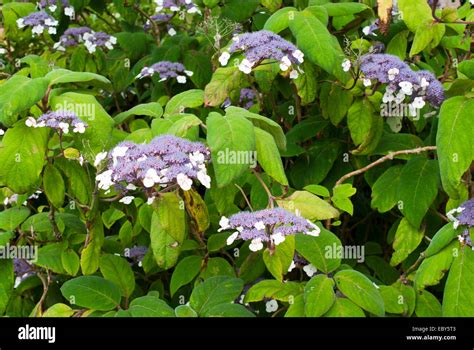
x=424, y=83
x=189, y=73
x=392, y=73
x=58, y=46
x=224, y=224
x=2, y=51
x=388, y=96
x=51, y=22
x=69, y=11
x=99, y=158
x=38, y=29
x=259, y=225
x=406, y=87
x=80, y=128
x=2, y=132
x=315, y=232
x=366, y=82
x=224, y=58
x=346, y=65
x=172, y=32
x=366, y=30
x=204, y=179
x=245, y=66
x=64, y=127
x=294, y=74
x=20, y=23
x=461, y=238
x=256, y=245
x=181, y=79
x=399, y=97
x=150, y=200
x=131, y=187
x=194, y=10
x=109, y=44
x=418, y=102
x=232, y=238
x=52, y=30
x=30, y=122
x=285, y=63
x=117, y=152
x=105, y=180
x=184, y=182
x=52, y=8
x=292, y=266
x=271, y=306
x=127, y=200
x=151, y=178
x=90, y=46
x=310, y=270
x=196, y=158
x=174, y=8
x=299, y=55
x=278, y=238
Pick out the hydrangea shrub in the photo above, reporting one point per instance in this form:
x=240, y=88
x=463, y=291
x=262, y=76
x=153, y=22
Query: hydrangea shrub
x=206, y=158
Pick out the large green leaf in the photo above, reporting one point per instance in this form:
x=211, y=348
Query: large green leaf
x=187, y=99
x=279, y=261
x=360, y=290
x=407, y=239
x=269, y=157
x=18, y=94
x=232, y=142
x=283, y=291
x=310, y=206
x=6, y=287
x=458, y=299
x=152, y=109
x=427, y=305
x=117, y=270
x=11, y=218
x=223, y=82
x=22, y=155
x=455, y=149
x=319, y=296
x=385, y=189
x=168, y=230
x=280, y=20
x=186, y=270
x=415, y=13
x=62, y=76
x=343, y=307
x=418, y=188
x=441, y=239
x=91, y=292
x=150, y=306
x=53, y=184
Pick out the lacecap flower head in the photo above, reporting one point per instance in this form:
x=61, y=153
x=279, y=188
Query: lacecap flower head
x=187, y=6
x=247, y=99
x=39, y=22
x=61, y=120
x=402, y=82
x=264, y=45
x=166, y=160
x=52, y=5
x=166, y=70
x=463, y=217
x=268, y=225
x=86, y=36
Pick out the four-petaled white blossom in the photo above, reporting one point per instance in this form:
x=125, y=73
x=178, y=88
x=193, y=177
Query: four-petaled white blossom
x=392, y=73
x=105, y=180
x=79, y=128
x=224, y=58
x=406, y=87
x=151, y=178
x=259, y=225
x=224, y=224
x=184, y=182
x=271, y=306
x=99, y=158
x=245, y=66
x=127, y=200
x=346, y=65
x=232, y=238
x=256, y=244
x=278, y=238
x=310, y=270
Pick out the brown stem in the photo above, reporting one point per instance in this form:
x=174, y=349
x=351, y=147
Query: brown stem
x=389, y=156
x=245, y=196
x=271, y=199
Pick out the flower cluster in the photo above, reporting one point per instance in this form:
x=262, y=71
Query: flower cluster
x=52, y=5
x=177, y=6
x=84, y=35
x=136, y=253
x=38, y=21
x=263, y=45
x=160, y=18
x=165, y=160
x=370, y=29
x=268, y=225
x=60, y=120
x=463, y=216
x=402, y=82
x=246, y=100
x=298, y=262
x=166, y=70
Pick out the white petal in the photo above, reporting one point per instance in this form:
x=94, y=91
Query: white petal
x=232, y=238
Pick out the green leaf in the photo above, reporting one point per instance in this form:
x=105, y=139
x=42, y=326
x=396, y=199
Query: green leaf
x=272, y=5
x=186, y=270
x=6, y=287
x=91, y=292
x=18, y=94
x=432, y=269
x=62, y=76
x=70, y=262
x=458, y=299
x=217, y=241
x=344, y=9
x=317, y=43
x=385, y=189
x=409, y=297
x=90, y=256
x=415, y=13
x=320, y=251
x=427, y=305
x=280, y=20
x=343, y=307
x=441, y=239
x=59, y=310
x=283, y=291
x=185, y=311
x=217, y=267
x=360, y=119
x=11, y=218
x=360, y=290
x=279, y=262
x=261, y=122
x=418, y=188
x=53, y=184
x=223, y=82
x=152, y=109
x=306, y=84
x=318, y=190
x=269, y=156
x=50, y=257
x=341, y=196
x=423, y=37
x=310, y=206
x=22, y=157
x=398, y=45
x=296, y=309
x=117, y=270
x=229, y=310
x=168, y=230
x=182, y=125
x=78, y=182
x=230, y=138
x=239, y=11
x=319, y=296
x=455, y=149
x=187, y=99
x=214, y=291
x=150, y=306
x=407, y=239
x=392, y=299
